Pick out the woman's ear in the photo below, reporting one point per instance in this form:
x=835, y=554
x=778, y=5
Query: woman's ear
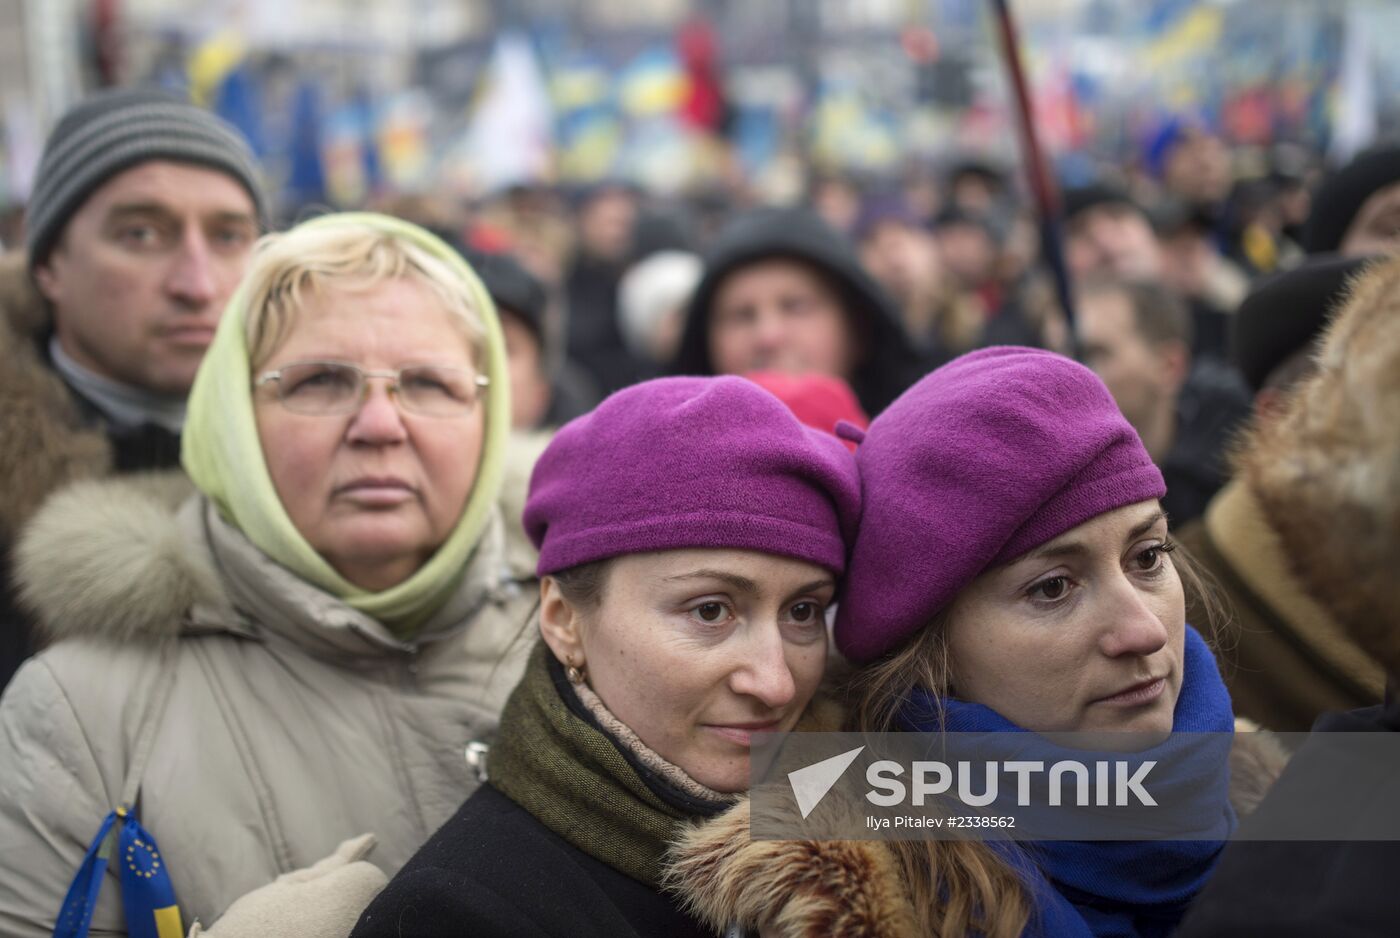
x=560, y=625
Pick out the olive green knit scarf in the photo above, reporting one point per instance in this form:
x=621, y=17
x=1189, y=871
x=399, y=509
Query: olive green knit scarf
x=557, y=762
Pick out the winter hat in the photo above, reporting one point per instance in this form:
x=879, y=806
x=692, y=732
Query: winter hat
x=1079, y=199
x=114, y=130
x=513, y=288
x=653, y=289
x=1285, y=312
x=977, y=167
x=817, y=401
x=884, y=208
x=1163, y=141
x=990, y=456
x=798, y=234
x=1339, y=199
x=692, y=462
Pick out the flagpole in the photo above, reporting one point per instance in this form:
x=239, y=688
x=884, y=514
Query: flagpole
x=1043, y=192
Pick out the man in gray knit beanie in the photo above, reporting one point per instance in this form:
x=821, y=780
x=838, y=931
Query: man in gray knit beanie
x=111, y=131
x=141, y=222
x=143, y=213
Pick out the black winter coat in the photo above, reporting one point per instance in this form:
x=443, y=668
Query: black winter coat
x=1300, y=889
x=494, y=870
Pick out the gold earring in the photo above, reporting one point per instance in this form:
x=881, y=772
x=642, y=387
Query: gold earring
x=574, y=674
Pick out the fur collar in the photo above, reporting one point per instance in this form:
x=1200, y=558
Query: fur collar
x=1237, y=527
x=45, y=443
x=108, y=558
x=1326, y=469
x=25, y=312
x=799, y=888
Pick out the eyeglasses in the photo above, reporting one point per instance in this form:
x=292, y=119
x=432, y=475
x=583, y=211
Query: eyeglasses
x=333, y=389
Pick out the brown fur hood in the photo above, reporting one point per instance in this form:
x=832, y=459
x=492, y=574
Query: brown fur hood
x=1327, y=471
x=43, y=444
x=806, y=889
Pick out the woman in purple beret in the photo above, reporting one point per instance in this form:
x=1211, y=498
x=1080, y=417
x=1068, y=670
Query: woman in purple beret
x=691, y=533
x=1012, y=573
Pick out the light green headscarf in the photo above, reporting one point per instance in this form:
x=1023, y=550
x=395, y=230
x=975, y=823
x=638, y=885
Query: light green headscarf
x=223, y=455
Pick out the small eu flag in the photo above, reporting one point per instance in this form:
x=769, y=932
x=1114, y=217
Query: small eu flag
x=148, y=898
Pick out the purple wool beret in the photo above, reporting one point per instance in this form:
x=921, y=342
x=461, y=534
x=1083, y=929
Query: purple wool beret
x=692, y=462
x=988, y=457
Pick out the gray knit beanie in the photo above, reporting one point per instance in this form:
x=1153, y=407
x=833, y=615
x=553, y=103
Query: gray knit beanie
x=111, y=131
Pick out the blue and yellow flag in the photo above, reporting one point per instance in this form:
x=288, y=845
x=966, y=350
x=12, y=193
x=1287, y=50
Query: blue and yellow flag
x=75, y=916
x=148, y=898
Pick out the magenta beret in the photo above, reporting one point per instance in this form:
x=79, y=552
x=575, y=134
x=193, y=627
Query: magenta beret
x=988, y=457
x=692, y=462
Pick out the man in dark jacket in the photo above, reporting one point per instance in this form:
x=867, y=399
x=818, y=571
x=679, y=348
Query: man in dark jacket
x=1107, y=234
x=606, y=220
x=1136, y=336
x=142, y=218
x=782, y=291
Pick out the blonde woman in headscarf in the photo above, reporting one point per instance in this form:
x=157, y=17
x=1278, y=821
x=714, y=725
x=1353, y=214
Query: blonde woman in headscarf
x=299, y=653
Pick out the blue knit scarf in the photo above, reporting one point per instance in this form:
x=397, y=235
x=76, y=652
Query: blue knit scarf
x=1110, y=889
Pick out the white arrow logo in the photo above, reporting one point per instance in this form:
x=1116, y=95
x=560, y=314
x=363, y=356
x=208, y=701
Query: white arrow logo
x=810, y=785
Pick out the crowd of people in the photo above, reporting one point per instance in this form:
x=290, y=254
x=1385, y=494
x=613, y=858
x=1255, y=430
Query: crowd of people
x=292, y=516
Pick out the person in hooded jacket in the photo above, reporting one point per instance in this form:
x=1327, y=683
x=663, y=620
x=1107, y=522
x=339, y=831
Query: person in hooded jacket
x=691, y=533
x=1356, y=208
x=1325, y=471
x=300, y=651
x=783, y=291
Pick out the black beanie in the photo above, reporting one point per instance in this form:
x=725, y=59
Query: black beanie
x=1339, y=199
x=1079, y=199
x=114, y=130
x=513, y=289
x=1285, y=312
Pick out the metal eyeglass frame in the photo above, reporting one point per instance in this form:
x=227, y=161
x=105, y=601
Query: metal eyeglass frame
x=480, y=382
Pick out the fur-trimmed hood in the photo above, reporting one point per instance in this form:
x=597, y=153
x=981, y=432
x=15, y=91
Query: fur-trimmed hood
x=1327, y=471
x=44, y=443
x=107, y=558
x=125, y=558
x=804, y=889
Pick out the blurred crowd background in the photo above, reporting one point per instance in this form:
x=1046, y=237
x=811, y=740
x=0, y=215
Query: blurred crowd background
x=347, y=103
